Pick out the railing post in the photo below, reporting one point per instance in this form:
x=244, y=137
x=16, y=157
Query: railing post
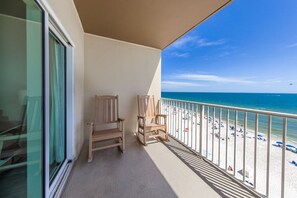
x=227, y=131
x=184, y=109
x=213, y=131
x=255, y=150
x=201, y=129
x=192, y=128
x=244, y=145
x=178, y=120
x=220, y=128
x=235, y=146
x=284, y=157
x=196, y=130
x=207, y=115
x=268, y=154
x=188, y=118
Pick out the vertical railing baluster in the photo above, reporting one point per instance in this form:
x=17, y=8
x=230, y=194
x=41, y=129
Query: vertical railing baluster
x=283, y=157
x=201, y=129
x=171, y=118
x=220, y=128
x=175, y=124
x=184, y=126
x=188, y=134
x=268, y=154
x=207, y=115
x=179, y=121
x=196, y=126
x=235, y=139
x=169, y=126
x=227, y=131
x=213, y=131
x=192, y=128
x=244, y=145
x=255, y=149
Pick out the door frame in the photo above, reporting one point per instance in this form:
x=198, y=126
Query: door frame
x=52, y=23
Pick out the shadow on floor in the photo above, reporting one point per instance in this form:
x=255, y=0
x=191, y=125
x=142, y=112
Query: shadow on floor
x=217, y=180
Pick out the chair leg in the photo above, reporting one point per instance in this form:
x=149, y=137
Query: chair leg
x=123, y=143
x=144, y=138
x=166, y=135
x=122, y=146
x=90, y=151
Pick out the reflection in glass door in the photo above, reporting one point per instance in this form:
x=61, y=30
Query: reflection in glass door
x=57, y=92
x=21, y=106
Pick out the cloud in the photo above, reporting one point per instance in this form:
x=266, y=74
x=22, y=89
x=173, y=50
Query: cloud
x=183, y=84
x=204, y=42
x=180, y=55
x=212, y=78
x=183, y=41
x=292, y=45
x=195, y=41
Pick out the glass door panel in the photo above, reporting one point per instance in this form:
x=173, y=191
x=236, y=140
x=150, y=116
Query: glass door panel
x=21, y=107
x=57, y=89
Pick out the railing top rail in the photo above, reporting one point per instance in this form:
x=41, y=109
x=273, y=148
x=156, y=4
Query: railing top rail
x=286, y=115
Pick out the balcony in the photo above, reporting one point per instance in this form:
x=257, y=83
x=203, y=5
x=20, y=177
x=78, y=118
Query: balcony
x=157, y=170
x=114, y=47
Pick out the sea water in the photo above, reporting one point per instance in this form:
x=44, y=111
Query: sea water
x=284, y=103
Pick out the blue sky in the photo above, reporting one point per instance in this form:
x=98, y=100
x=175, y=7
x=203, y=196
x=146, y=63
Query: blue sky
x=249, y=46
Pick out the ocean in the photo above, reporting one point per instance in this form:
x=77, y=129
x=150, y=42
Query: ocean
x=285, y=103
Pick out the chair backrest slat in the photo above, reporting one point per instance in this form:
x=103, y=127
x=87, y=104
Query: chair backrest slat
x=146, y=106
x=106, y=109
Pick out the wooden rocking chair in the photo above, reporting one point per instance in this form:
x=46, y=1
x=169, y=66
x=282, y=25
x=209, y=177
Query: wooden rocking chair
x=106, y=114
x=149, y=123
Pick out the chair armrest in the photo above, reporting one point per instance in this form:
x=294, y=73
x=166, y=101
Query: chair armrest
x=90, y=123
x=91, y=128
x=161, y=115
x=140, y=117
x=158, y=119
x=121, y=119
x=11, y=129
x=141, y=121
x=121, y=124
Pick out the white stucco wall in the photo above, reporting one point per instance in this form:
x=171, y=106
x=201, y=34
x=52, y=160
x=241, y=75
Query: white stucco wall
x=120, y=68
x=66, y=12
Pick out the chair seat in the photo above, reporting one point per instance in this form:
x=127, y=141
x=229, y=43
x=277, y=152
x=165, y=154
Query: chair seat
x=106, y=134
x=154, y=126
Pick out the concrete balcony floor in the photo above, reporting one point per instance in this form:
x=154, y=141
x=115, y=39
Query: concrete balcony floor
x=157, y=170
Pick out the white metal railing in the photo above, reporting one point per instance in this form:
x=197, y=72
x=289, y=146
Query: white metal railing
x=199, y=125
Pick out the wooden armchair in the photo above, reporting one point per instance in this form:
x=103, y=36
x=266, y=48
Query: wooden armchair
x=149, y=123
x=106, y=114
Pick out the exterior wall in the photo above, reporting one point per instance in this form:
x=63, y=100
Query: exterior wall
x=120, y=68
x=66, y=12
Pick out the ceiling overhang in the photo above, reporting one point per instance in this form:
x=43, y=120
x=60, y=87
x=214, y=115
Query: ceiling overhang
x=153, y=23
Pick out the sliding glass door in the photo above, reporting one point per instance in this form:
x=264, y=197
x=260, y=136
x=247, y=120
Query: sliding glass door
x=57, y=106
x=21, y=99
x=35, y=64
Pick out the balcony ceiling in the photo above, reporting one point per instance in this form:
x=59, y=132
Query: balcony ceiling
x=153, y=23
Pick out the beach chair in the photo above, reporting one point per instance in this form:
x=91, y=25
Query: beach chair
x=149, y=122
x=111, y=126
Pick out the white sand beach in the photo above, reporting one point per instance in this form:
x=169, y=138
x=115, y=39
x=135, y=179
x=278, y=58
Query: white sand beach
x=183, y=127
